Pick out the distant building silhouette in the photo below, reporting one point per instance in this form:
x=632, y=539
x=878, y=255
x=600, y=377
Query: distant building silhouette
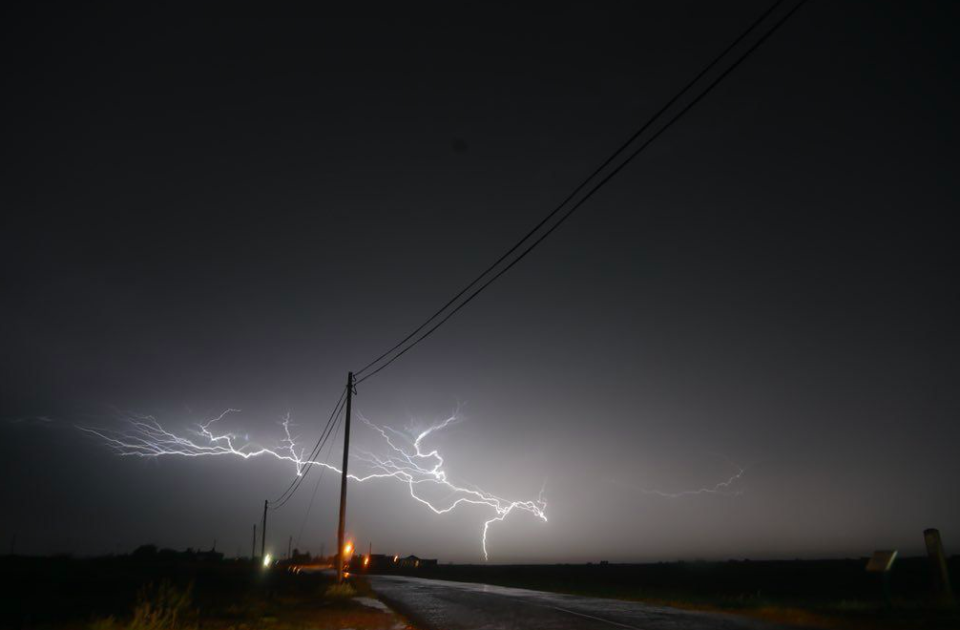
x=150, y=553
x=413, y=562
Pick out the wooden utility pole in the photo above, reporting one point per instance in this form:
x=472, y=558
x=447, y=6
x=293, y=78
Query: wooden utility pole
x=289, y=547
x=938, y=565
x=343, y=481
x=263, y=533
x=253, y=550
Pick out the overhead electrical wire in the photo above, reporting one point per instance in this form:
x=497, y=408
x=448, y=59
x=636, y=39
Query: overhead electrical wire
x=405, y=344
x=300, y=478
x=314, y=453
x=716, y=81
x=580, y=186
x=316, y=487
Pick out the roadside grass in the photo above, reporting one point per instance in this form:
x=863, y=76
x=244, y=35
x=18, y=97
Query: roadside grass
x=340, y=591
x=323, y=606
x=158, y=607
x=362, y=586
x=125, y=594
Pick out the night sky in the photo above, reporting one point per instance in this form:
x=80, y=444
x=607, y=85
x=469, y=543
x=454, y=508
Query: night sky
x=212, y=214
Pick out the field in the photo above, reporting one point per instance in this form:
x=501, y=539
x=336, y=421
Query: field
x=125, y=593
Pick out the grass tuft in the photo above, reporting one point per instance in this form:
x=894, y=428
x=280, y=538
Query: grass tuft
x=163, y=607
x=340, y=591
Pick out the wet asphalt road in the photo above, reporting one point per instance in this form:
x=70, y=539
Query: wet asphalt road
x=443, y=605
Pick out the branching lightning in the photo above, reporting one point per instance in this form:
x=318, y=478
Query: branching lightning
x=725, y=488
x=414, y=468
x=407, y=460
x=730, y=487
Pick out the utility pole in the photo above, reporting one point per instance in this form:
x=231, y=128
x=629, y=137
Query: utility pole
x=263, y=534
x=253, y=550
x=289, y=547
x=938, y=564
x=343, y=481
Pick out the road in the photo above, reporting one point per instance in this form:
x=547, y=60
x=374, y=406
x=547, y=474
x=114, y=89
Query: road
x=443, y=605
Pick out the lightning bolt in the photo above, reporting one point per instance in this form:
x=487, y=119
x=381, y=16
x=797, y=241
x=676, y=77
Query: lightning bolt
x=416, y=467
x=723, y=488
x=407, y=460
x=727, y=488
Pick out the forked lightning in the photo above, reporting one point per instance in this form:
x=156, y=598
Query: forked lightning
x=407, y=460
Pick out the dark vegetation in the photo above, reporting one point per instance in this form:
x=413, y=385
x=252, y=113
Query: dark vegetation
x=826, y=593
x=183, y=591
x=171, y=592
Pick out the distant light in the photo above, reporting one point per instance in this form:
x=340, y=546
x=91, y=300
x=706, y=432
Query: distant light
x=348, y=548
x=396, y=558
x=366, y=560
x=267, y=559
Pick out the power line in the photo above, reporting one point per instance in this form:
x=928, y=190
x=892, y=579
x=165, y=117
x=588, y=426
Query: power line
x=295, y=484
x=299, y=479
x=405, y=345
x=580, y=186
x=315, y=451
x=316, y=487
x=593, y=190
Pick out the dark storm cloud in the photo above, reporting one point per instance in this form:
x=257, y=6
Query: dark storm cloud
x=203, y=214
